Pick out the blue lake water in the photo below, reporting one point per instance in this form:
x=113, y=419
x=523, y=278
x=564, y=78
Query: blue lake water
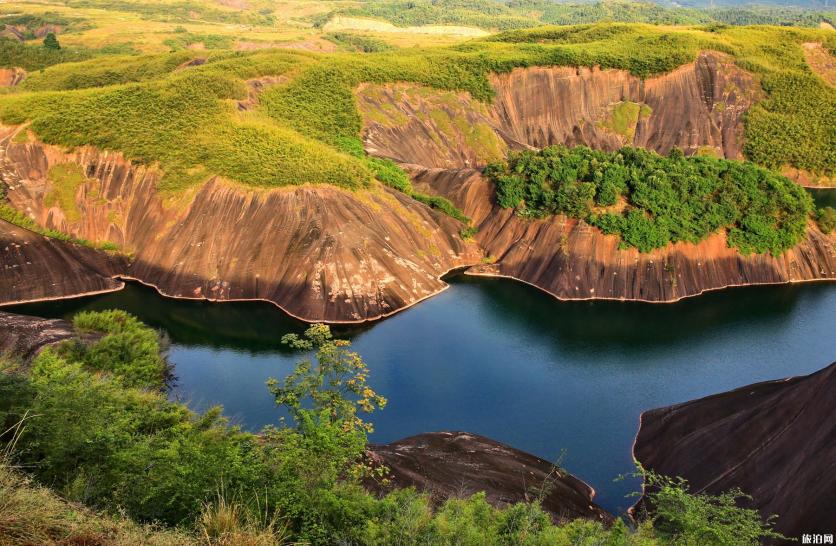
x=505, y=360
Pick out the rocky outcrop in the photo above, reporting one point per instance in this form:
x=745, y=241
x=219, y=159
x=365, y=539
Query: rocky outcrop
x=319, y=252
x=442, y=138
x=775, y=440
x=9, y=77
x=325, y=254
x=572, y=260
x=23, y=337
x=698, y=107
x=459, y=464
x=34, y=267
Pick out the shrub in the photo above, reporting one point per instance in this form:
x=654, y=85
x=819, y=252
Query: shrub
x=51, y=42
x=826, y=219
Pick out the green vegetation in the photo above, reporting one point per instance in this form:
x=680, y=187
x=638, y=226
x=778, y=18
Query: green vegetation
x=624, y=117
x=35, y=57
x=305, y=130
x=88, y=419
x=51, y=41
x=66, y=179
x=178, y=11
x=681, y=517
x=18, y=218
x=666, y=199
x=520, y=14
x=826, y=219
x=349, y=41
x=487, y=14
x=204, y=41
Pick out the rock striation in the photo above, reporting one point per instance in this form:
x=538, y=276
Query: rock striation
x=459, y=464
x=698, y=107
x=9, y=77
x=572, y=260
x=34, y=267
x=319, y=252
x=325, y=254
x=23, y=336
x=774, y=440
x=443, y=138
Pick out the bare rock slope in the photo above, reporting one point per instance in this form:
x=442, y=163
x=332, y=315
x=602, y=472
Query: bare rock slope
x=459, y=464
x=572, y=260
x=325, y=254
x=23, y=336
x=34, y=267
x=319, y=252
x=774, y=440
x=697, y=107
x=443, y=137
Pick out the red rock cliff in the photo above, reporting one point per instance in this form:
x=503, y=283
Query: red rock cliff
x=321, y=253
x=442, y=136
x=774, y=440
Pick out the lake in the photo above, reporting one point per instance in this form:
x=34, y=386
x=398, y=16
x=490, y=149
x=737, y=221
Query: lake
x=564, y=380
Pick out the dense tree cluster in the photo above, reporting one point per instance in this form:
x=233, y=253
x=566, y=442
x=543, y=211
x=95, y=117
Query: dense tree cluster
x=651, y=200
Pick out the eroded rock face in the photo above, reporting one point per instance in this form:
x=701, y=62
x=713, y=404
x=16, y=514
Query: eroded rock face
x=9, y=77
x=459, y=464
x=23, y=336
x=572, y=260
x=442, y=138
x=698, y=108
x=774, y=440
x=321, y=253
x=34, y=267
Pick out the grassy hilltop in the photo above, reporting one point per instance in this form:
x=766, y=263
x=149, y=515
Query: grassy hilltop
x=306, y=128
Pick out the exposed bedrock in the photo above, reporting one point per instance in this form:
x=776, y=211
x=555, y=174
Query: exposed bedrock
x=319, y=252
x=443, y=137
x=698, y=107
x=572, y=260
x=9, y=77
x=23, y=336
x=34, y=267
x=459, y=464
x=775, y=440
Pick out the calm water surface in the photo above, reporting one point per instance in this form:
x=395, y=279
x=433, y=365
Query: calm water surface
x=824, y=197
x=503, y=359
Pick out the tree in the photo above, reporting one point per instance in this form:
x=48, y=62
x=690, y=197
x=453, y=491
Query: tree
x=325, y=399
x=51, y=42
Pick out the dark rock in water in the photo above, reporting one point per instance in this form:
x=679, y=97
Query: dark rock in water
x=775, y=440
x=23, y=336
x=459, y=464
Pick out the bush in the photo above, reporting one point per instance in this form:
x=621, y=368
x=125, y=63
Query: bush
x=51, y=42
x=826, y=219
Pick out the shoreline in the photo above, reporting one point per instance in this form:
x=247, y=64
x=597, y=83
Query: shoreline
x=464, y=270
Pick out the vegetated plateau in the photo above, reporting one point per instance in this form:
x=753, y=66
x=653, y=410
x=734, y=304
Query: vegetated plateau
x=213, y=132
